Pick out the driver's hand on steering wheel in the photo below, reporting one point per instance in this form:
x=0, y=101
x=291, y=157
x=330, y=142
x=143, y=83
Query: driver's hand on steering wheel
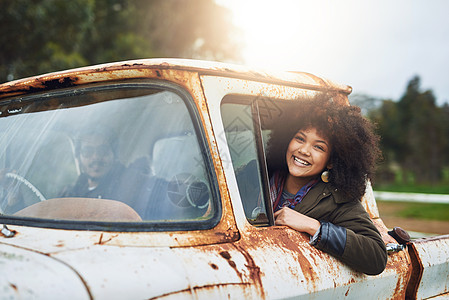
x=7, y=192
x=3, y=177
x=5, y=180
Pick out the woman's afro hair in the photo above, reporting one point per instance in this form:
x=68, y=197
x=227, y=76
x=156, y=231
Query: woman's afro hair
x=354, y=145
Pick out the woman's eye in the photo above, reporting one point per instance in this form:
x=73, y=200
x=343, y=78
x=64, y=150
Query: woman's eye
x=321, y=148
x=299, y=138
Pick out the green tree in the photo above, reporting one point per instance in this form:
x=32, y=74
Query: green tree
x=366, y=103
x=48, y=35
x=421, y=122
x=40, y=35
x=414, y=133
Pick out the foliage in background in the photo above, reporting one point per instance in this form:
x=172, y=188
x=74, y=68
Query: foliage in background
x=414, y=138
x=42, y=36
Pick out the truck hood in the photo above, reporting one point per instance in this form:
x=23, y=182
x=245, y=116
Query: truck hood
x=97, y=271
x=27, y=274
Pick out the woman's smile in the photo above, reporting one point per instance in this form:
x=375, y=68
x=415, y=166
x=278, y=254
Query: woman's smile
x=301, y=161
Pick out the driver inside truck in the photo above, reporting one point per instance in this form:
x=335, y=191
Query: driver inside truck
x=102, y=175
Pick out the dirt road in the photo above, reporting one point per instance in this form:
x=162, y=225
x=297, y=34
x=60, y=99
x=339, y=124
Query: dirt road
x=388, y=215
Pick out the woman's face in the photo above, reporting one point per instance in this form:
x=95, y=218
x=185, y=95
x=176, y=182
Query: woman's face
x=308, y=154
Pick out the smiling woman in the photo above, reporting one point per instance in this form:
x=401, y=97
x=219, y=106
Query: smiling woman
x=320, y=157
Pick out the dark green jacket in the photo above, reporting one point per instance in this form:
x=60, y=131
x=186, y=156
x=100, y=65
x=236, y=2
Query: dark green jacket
x=362, y=248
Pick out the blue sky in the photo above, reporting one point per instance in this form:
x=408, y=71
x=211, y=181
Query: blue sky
x=374, y=46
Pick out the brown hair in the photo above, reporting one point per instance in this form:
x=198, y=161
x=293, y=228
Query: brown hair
x=354, y=144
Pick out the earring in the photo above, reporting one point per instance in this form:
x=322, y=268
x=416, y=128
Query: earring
x=325, y=176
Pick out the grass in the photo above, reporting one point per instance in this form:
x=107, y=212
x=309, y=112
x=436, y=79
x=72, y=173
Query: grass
x=404, y=182
x=427, y=211
x=426, y=189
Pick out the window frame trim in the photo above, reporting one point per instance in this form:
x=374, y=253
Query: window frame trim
x=253, y=104
x=262, y=160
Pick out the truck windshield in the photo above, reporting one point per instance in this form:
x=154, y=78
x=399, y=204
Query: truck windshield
x=117, y=154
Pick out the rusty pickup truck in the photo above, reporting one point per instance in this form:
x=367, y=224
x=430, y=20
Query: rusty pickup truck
x=147, y=179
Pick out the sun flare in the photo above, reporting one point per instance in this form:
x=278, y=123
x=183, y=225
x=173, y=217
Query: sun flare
x=276, y=33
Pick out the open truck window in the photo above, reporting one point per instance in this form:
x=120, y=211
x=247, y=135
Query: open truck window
x=247, y=122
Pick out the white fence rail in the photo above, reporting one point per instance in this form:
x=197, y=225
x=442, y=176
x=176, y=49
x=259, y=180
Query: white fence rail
x=411, y=197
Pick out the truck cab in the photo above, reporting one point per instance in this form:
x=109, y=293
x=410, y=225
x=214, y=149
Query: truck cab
x=184, y=211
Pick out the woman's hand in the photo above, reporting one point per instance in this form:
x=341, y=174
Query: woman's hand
x=297, y=221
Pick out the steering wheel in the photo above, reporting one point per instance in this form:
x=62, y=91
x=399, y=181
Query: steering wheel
x=28, y=184
x=185, y=190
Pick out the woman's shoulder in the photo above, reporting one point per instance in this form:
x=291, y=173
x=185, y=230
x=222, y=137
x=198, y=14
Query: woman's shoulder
x=327, y=189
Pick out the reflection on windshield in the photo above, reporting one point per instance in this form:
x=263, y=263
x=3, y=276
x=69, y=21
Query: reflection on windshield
x=140, y=152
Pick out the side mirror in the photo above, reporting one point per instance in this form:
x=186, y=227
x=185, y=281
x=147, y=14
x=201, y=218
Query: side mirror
x=400, y=235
